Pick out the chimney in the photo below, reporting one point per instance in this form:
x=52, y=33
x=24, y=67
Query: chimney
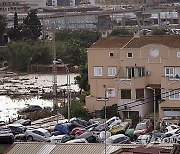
x=104, y=33
x=136, y=32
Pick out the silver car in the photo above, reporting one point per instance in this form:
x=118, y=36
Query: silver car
x=41, y=134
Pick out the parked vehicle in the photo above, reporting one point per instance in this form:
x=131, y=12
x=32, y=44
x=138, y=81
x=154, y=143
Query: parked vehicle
x=113, y=121
x=66, y=128
x=16, y=128
x=20, y=138
x=30, y=108
x=82, y=140
x=171, y=128
x=24, y=122
x=6, y=136
x=92, y=127
x=41, y=134
x=118, y=139
x=77, y=131
x=119, y=129
x=143, y=128
x=79, y=121
x=102, y=135
x=166, y=138
x=143, y=139
x=89, y=137
x=129, y=132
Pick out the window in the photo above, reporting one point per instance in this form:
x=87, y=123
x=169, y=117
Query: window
x=172, y=72
x=111, y=71
x=178, y=54
x=130, y=72
x=97, y=71
x=141, y=71
x=174, y=95
x=111, y=92
x=130, y=55
x=112, y=54
x=139, y=93
x=125, y=94
x=169, y=71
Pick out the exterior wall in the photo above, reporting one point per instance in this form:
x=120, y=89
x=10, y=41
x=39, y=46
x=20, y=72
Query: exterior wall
x=96, y=83
x=142, y=57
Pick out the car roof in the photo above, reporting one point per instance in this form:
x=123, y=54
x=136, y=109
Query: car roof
x=113, y=137
x=171, y=131
x=82, y=140
x=39, y=129
x=15, y=125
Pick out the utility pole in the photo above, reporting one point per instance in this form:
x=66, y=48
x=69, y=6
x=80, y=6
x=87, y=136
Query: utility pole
x=54, y=71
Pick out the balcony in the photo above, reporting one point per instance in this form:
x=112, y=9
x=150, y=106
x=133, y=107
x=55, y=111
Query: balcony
x=135, y=82
x=170, y=83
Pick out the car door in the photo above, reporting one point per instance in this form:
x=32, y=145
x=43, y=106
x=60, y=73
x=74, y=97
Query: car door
x=37, y=135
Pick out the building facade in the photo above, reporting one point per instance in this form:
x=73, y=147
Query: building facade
x=7, y=6
x=139, y=74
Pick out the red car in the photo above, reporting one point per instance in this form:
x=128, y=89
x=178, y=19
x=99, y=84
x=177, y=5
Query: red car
x=143, y=128
x=77, y=131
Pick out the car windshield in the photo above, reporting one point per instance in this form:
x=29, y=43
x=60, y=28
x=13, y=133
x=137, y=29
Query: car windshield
x=109, y=141
x=47, y=134
x=140, y=126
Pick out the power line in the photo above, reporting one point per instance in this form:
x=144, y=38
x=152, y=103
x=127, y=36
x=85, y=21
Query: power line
x=149, y=98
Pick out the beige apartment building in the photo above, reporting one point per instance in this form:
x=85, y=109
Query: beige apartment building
x=139, y=74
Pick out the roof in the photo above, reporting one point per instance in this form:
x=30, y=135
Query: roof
x=149, y=150
x=171, y=41
x=73, y=148
x=112, y=42
x=64, y=148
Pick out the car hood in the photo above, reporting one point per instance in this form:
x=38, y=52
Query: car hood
x=139, y=131
x=57, y=138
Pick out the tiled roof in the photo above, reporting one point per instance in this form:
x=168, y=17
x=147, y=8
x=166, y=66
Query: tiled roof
x=171, y=41
x=74, y=148
x=112, y=42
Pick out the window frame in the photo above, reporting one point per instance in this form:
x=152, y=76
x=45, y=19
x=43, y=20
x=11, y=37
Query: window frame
x=98, y=71
x=126, y=96
x=129, y=56
x=112, y=70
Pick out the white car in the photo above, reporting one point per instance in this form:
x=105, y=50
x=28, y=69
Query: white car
x=82, y=140
x=171, y=128
x=166, y=138
x=113, y=121
x=143, y=139
x=41, y=135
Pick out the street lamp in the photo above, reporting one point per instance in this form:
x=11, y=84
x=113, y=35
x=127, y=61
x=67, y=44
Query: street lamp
x=68, y=86
x=154, y=102
x=105, y=99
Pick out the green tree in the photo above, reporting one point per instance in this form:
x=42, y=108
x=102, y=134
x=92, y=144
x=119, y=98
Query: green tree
x=82, y=79
x=111, y=111
x=85, y=37
x=21, y=54
x=41, y=54
x=14, y=33
x=77, y=109
x=3, y=25
x=159, y=31
x=18, y=56
x=121, y=31
x=15, y=21
x=32, y=24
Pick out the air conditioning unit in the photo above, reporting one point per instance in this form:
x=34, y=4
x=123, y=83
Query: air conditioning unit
x=147, y=72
